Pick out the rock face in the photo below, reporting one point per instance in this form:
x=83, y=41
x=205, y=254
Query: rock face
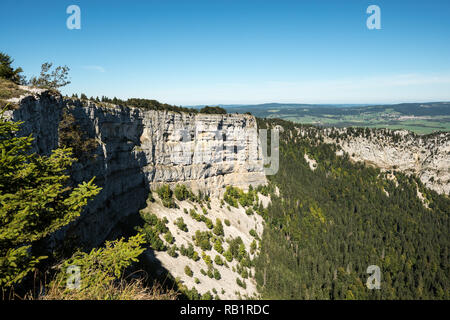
x=138, y=150
x=428, y=157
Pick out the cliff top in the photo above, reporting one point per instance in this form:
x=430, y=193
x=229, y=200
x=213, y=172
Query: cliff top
x=12, y=94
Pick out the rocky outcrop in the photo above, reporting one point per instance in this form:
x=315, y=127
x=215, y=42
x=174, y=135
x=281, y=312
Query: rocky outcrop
x=138, y=149
x=428, y=157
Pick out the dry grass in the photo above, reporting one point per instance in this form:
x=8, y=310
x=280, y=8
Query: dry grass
x=134, y=289
x=8, y=90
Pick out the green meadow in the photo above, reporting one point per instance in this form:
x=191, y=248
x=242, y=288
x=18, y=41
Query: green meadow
x=421, y=118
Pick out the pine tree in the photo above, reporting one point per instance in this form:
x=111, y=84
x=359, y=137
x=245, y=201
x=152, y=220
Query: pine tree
x=7, y=71
x=55, y=79
x=36, y=201
x=218, y=228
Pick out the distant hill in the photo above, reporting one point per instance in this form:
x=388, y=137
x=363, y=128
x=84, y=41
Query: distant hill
x=293, y=105
x=421, y=117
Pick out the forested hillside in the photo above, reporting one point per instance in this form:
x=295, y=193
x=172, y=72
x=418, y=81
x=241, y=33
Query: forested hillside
x=332, y=221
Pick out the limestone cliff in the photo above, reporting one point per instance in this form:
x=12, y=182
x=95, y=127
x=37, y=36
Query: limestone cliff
x=428, y=156
x=139, y=149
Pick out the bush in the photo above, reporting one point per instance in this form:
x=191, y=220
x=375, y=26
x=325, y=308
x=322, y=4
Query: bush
x=235, y=246
x=165, y=194
x=151, y=236
x=241, y=283
x=168, y=237
x=188, y=271
x=242, y=252
x=207, y=259
x=181, y=192
x=230, y=196
x=70, y=135
x=228, y=255
x=217, y=275
x=183, y=250
x=152, y=228
x=208, y=223
x=99, y=269
x=195, y=256
x=201, y=239
x=218, y=246
x=253, y=247
x=169, y=203
x=218, y=228
x=233, y=196
x=194, y=215
x=207, y=296
x=179, y=222
x=244, y=273
x=227, y=222
x=152, y=220
x=191, y=294
x=218, y=260
x=173, y=251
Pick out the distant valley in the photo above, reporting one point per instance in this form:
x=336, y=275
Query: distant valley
x=421, y=118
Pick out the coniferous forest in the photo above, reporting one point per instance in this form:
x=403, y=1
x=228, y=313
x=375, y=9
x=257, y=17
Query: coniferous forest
x=329, y=224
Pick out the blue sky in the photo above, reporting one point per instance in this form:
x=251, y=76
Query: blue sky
x=190, y=52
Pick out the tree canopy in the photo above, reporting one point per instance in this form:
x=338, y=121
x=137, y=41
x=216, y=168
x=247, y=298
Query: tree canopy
x=51, y=79
x=7, y=71
x=213, y=110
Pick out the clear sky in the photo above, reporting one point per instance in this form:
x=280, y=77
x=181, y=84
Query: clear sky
x=188, y=52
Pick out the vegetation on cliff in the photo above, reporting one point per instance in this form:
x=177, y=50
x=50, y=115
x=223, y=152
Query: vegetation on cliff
x=51, y=79
x=150, y=104
x=36, y=201
x=213, y=110
x=71, y=136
